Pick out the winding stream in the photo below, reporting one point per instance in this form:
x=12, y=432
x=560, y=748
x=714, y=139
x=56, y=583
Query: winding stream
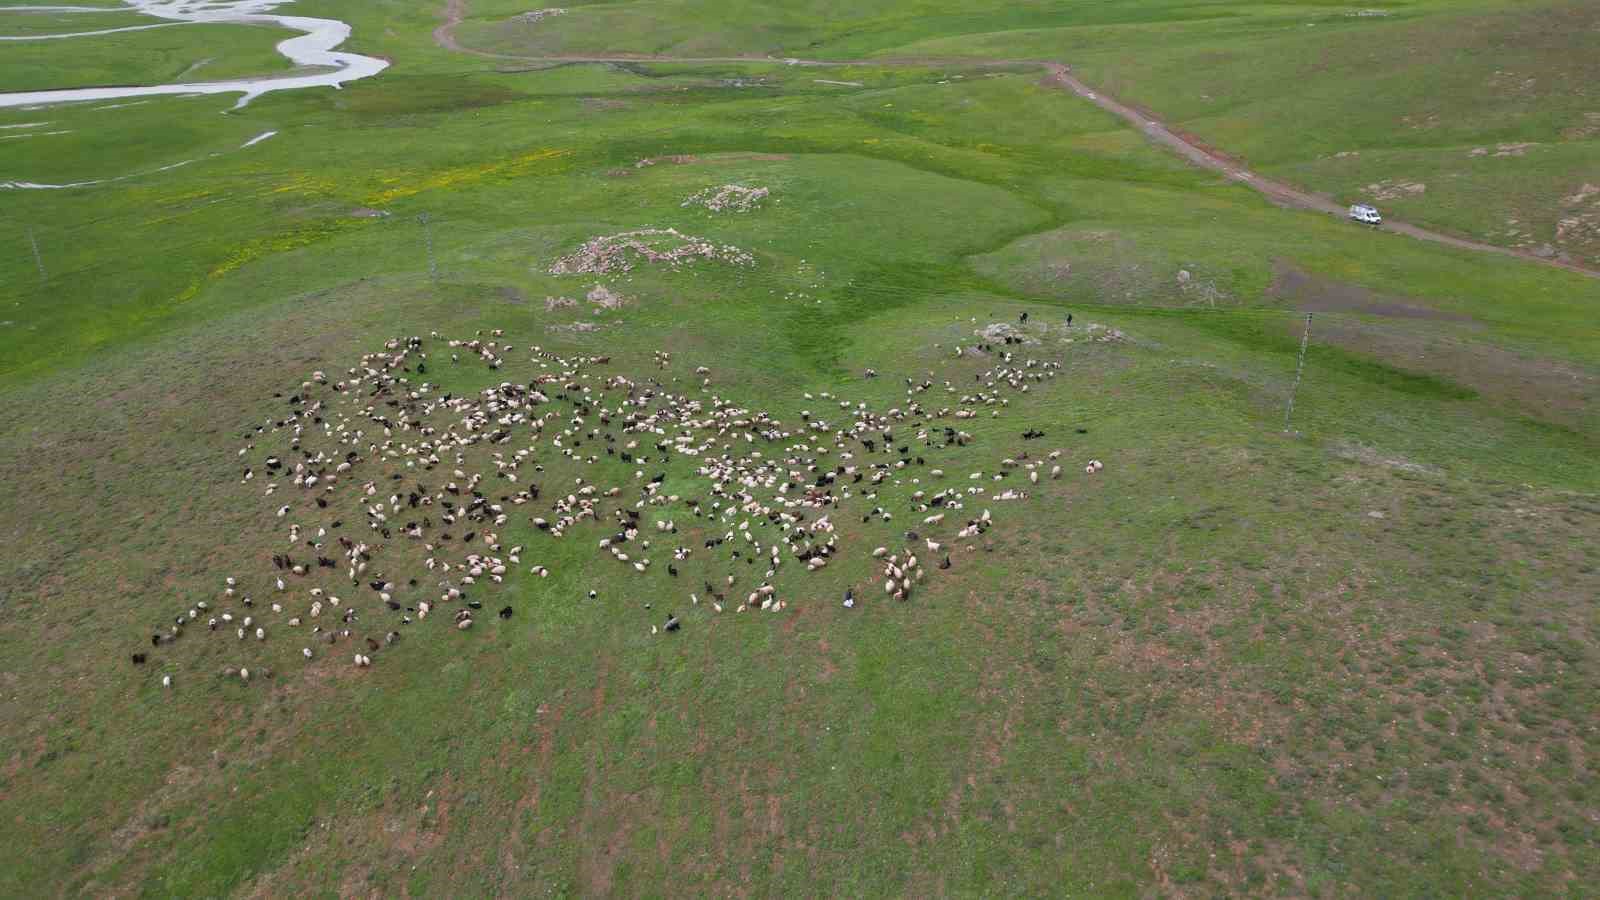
x=313, y=47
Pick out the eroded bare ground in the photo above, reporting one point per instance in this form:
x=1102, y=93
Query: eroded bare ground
x=1543, y=388
x=1417, y=338
x=1316, y=293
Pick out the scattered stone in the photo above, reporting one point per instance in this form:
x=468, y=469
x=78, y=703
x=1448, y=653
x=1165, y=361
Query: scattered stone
x=1004, y=332
x=729, y=197
x=605, y=298
x=534, y=17
x=1584, y=193
x=1395, y=190
x=668, y=246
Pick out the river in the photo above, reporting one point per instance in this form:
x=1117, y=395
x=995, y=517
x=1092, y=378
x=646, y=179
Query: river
x=314, y=46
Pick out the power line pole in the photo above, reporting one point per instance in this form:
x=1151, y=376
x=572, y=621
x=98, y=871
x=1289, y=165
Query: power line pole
x=427, y=236
x=38, y=260
x=1300, y=369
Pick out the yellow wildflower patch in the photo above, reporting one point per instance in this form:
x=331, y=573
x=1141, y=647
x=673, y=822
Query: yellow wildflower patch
x=278, y=243
x=307, y=184
x=525, y=164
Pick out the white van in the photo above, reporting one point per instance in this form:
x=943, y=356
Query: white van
x=1367, y=215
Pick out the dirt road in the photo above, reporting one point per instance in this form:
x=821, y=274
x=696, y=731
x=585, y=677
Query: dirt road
x=1059, y=74
x=1278, y=192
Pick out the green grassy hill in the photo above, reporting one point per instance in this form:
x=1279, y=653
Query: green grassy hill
x=1357, y=657
x=171, y=52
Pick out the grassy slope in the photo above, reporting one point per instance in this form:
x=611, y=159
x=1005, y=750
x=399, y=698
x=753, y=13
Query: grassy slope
x=1211, y=669
x=1354, y=106
x=156, y=56
x=36, y=23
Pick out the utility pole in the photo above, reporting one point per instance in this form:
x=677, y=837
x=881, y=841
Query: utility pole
x=1299, y=370
x=38, y=260
x=427, y=236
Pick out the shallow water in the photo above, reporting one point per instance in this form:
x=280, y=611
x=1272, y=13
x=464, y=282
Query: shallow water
x=313, y=47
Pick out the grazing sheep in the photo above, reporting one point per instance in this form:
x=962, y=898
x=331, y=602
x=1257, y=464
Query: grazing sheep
x=771, y=502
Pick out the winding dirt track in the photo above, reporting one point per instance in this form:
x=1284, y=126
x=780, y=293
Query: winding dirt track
x=1060, y=75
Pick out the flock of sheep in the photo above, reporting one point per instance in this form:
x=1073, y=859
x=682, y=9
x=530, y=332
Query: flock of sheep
x=398, y=501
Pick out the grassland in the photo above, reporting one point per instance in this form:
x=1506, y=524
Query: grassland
x=1481, y=105
x=155, y=56
x=1358, y=658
